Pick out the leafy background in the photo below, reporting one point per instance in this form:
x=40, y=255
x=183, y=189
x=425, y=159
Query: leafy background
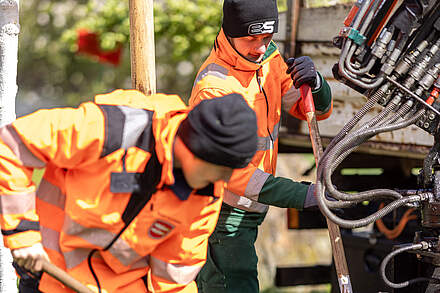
x=50, y=73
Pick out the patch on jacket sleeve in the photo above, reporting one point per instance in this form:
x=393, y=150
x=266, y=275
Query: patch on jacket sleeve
x=159, y=229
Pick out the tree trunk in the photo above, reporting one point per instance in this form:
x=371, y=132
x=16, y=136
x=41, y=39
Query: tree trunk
x=9, y=29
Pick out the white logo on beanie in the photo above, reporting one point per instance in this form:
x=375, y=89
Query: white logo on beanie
x=259, y=28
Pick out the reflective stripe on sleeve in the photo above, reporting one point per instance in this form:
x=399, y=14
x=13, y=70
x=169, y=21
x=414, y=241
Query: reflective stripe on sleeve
x=51, y=194
x=244, y=203
x=255, y=184
x=179, y=274
x=13, y=204
x=10, y=137
x=290, y=98
x=23, y=226
x=214, y=70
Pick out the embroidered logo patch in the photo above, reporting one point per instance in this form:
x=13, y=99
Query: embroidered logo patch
x=159, y=229
x=266, y=27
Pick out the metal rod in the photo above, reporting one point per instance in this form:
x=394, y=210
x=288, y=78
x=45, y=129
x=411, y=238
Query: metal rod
x=413, y=95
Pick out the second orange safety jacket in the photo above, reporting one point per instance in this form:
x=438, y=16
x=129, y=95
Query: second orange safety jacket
x=267, y=89
x=96, y=157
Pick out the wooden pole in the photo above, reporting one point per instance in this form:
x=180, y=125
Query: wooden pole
x=142, y=54
x=294, y=8
x=333, y=229
x=65, y=278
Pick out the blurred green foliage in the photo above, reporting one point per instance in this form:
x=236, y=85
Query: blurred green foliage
x=51, y=73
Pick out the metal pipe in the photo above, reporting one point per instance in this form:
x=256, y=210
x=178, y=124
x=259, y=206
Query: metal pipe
x=422, y=245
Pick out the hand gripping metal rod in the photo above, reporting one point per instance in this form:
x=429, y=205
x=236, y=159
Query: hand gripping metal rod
x=333, y=229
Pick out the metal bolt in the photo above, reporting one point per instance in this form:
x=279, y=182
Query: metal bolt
x=431, y=116
x=426, y=125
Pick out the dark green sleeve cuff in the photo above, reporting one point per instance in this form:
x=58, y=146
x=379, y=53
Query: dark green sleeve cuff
x=283, y=193
x=322, y=97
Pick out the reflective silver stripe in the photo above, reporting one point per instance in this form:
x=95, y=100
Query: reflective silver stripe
x=76, y=257
x=12, y=204
x=123, y=252
x=244, y=203
x=50, y=193
x=51, y=238
x=135, y=122
x=290, y=98
x=265, y=143
x=212, y=69
x=101, y=238
x=142, y=263
x=179, y=274
x=255, y=184
x=13, y=140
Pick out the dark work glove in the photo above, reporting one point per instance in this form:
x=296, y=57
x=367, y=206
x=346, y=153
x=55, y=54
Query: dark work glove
x=311, y=200
x=302, y=70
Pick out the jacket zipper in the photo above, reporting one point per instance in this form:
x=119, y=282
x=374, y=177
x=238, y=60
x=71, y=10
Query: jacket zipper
x=267, y=102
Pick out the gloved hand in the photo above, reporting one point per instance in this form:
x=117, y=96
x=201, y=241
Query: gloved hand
x=30, y=257
x=311, y=201
x=302, y=70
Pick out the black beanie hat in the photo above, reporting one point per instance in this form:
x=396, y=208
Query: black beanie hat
x=249, y=17
x=222, y=131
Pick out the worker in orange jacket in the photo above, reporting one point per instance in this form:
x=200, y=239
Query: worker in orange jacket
x=245, y=60
x=126, y=203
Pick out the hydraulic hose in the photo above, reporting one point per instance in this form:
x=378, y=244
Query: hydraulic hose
x=383, y=265
x=364, y=26
x=380, y=93
x=351, y=224
x=333, y=157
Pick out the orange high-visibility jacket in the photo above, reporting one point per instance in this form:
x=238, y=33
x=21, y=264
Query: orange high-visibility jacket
x=91, y=155
x=267, y=89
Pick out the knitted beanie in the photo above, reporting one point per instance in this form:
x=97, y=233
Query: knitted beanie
x=249, y=17
x=222, y=131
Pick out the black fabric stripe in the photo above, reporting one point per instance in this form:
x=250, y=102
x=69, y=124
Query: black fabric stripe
x=23, y=226
x=146, y=139
x=114, y=127
x=147, y=181
x=208, y=190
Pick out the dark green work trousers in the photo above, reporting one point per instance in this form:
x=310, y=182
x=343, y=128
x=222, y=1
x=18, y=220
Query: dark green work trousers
x=231, y=265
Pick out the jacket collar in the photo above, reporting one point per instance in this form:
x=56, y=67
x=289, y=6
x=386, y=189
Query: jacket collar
x=228, y=54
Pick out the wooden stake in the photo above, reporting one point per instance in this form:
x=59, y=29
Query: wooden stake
x=294, y=19
x=65, y=278
x=142, y=54
x=333, y=229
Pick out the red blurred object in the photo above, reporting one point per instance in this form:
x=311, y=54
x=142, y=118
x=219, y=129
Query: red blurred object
x=88, y=43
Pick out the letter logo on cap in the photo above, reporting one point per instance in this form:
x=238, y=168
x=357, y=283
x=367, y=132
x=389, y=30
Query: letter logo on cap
x=259, y=28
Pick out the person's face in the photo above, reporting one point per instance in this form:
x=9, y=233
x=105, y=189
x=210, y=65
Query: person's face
x=252, y=47
x=199, y=173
